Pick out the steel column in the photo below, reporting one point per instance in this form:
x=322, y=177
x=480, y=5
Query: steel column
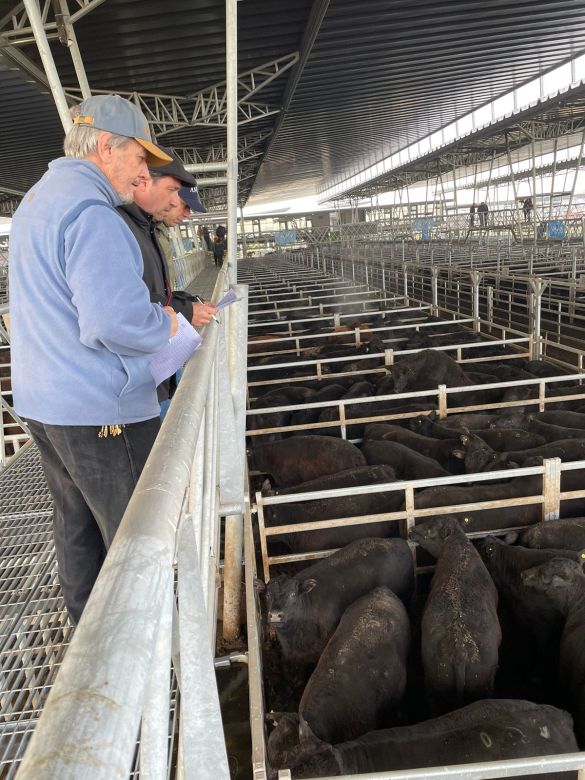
x=38, y=28
x=73, y=47
x=231, y=28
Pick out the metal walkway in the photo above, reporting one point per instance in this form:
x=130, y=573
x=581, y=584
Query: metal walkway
x=34, y=627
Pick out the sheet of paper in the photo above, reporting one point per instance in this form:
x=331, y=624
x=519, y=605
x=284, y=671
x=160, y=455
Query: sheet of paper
x=179, y=349
x=229, y=297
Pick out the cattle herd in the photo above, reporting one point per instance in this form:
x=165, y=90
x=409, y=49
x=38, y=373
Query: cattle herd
x=440, y=648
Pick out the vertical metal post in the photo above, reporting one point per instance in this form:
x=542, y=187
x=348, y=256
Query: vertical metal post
x=577, y=167
x=475, y=277
x=435, y=291
x=533, y=151
x=74, y=51
x=243, y=233
x=38, y=28
x=231, y=45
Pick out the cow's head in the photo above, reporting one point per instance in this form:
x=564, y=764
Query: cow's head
x=286, y=600
x=478, y=455
x=560, y=579
x=432, y=533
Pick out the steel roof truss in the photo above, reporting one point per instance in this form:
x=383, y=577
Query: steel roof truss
x=16, y=30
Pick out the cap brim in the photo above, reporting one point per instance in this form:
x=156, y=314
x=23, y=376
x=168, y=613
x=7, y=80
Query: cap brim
x=155, y=155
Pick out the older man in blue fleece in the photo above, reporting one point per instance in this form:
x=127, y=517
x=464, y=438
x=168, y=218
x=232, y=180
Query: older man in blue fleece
x=84, y=331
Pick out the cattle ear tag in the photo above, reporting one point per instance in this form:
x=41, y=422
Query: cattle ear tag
x=466, y=520
x=465, y=439
x=308, y=585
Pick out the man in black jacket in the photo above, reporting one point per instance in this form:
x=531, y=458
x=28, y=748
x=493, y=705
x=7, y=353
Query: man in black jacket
x=153, y=200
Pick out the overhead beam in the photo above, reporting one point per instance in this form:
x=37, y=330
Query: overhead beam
x=208, y=107
x=17, y=28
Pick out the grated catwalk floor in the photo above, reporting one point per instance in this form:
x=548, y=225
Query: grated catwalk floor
x=34, y=628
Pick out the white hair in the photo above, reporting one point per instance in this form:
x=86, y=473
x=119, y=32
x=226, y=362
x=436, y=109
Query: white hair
x=82, y=140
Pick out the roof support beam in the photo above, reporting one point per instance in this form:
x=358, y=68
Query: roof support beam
x=18, y=29
x=208, y=108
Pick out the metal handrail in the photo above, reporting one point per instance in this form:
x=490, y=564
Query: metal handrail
x=117, y=668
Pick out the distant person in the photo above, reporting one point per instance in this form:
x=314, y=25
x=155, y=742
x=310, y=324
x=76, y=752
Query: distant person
x=219, y=247
x=527, y=208
x=472, y=215
x=204, y=236
x=482, y=210
x=220, y=231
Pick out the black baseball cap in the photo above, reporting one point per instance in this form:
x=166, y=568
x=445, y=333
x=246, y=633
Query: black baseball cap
x=176, y=169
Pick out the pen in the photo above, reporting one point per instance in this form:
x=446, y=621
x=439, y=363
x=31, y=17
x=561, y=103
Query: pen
x=200, y=300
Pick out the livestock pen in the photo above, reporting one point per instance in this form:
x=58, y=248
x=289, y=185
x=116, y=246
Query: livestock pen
x=302, y=302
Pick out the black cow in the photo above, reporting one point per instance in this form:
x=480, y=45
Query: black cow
x=566, y=534
x=331, y=392
x=407, y=463
x=361, y=676
x=426, y=370
x=301, y=458
x=563, y=582
x=499, y=438
x=533, y=624
x=460, y=629
x=336, y=506
x=440, y=450
x=305, y=609
x=566, y=417
x=479, y=456
x=489, y=730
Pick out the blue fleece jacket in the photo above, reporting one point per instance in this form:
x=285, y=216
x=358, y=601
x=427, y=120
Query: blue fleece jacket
x=83, y=329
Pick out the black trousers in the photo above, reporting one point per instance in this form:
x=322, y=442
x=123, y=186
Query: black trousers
x=91, y=480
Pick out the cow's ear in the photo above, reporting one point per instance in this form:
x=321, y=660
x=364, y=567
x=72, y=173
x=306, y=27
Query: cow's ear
x=459, y=454
x=512, y=537
x=511, y=465
x=308, y=585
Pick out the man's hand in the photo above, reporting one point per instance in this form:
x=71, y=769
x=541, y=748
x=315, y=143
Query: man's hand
x=202, y=313
x=174, y=322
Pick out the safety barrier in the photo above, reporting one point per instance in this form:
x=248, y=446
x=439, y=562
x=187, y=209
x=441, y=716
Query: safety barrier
x=156, y=595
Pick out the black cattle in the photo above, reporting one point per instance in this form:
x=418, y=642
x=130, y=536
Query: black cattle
x=440, y=450
x=426, y=370
x=563, y=583
x=498, y=438
x=305, y=609
x=489, y=730
x=336, y=506
x=550, y=432
x=283, y=396
x=460, y=629
x=455, y=424
x=407, y=463
x=566, y=417
x=361, y=675
x=534, y=624
x=301, y=458
x=479, y=456
x=566, y=534
x=331, y=392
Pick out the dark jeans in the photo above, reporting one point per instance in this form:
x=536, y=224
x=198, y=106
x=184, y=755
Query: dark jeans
x=91, y=481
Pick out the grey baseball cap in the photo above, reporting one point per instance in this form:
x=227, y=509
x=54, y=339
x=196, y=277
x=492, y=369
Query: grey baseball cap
x=115, y=114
